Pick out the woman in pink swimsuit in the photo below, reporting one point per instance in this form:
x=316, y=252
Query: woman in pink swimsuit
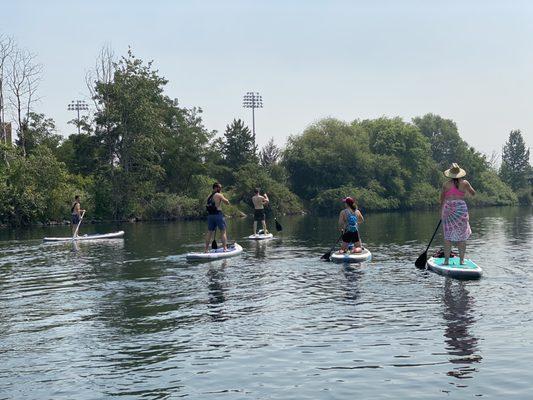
x=455, y=212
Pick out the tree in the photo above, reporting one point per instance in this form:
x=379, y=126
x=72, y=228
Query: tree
x=238, y=145
x=515, y=167
x=7, y=47
x=270, y=154
x=23, y=80
x=40, y=131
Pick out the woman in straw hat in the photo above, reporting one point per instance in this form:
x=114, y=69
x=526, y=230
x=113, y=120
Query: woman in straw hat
x=455, y=212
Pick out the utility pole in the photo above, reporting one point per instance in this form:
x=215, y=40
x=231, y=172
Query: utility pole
x=252, y=100
x=77, y=105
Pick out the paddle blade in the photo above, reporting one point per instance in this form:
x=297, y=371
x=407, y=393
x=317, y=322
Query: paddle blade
x=279, y=228
x=421, y=260
x=326, y=256
x=214, y=244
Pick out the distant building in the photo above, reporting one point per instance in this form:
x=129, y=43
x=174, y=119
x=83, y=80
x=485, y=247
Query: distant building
x=6, y=127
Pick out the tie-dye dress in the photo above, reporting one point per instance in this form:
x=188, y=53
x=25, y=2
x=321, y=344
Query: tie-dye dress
x=455, y=221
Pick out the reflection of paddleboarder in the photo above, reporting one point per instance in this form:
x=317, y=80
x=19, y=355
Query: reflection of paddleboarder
x=216, y=292
x=462, y=346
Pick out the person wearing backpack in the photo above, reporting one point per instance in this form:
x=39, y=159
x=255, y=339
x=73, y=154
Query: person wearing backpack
x=215, y=217
x=349, y=220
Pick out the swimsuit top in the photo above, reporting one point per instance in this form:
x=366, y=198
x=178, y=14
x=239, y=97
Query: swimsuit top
x=454, y=192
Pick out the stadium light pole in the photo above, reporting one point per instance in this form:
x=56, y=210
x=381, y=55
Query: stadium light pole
x=78, y=105
x=252, y=100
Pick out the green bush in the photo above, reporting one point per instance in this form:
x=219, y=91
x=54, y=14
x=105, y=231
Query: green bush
x=251, y=176
x=423, y=195
x=171, y=206
x=329, y=202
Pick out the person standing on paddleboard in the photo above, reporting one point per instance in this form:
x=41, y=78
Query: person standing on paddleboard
x=259, y=203
x=349, y=220
x=75, y=214
x=215, y=217
x=454, y=211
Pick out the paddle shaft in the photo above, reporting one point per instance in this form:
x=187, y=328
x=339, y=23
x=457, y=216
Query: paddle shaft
x=433, y=237
x=328, y=254
x=79, y=223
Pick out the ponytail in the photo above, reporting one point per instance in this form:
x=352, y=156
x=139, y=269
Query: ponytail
x=456, y=182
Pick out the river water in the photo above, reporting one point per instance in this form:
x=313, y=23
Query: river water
x=132, y=318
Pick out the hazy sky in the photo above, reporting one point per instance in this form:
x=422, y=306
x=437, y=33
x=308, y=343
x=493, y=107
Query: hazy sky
x=471, y=61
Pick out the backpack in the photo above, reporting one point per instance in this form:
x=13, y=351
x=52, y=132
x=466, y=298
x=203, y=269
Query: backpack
x=211, y=206
x=352, y=222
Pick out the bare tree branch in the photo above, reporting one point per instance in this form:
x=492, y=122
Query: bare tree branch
x=24, y=76
x=7, y=47
x=103, y=72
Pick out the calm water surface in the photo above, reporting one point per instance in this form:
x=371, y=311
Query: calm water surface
x=132, y=318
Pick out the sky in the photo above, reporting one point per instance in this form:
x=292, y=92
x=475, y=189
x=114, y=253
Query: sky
x=470, y=61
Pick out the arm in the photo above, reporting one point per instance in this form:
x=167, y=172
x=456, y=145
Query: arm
x=265, y=199
x=77, y=209
x=360, y=217
x=222, y=198
x=469, y=188
x=342, y=221
x=443, y=190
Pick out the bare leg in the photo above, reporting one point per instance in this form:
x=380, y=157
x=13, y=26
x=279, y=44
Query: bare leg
x=462, y=251
x=357, y=247
x=344, y=247
x=255, y=227
x=224, y=240
x=265, y=231
x=208, y=237
x=447, y=251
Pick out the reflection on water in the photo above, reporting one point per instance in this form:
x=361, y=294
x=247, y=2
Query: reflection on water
x=459, y=316
x=217, y=286
x=132, y=318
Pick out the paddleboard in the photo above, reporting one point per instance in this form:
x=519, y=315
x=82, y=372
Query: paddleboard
x=363, y=256
x=261, y=236
x=470, y=270
x=233, y=251
x=110, y=235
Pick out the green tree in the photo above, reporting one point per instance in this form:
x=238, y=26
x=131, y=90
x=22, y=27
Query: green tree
x=80, y=153
x=130, y=129
x=515, y=167
x=328, y=154
x=238, y=146
x=186, y=147
x=40, y=131
x=270, y=154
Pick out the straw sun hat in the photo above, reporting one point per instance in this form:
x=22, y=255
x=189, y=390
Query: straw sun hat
x=455, y=171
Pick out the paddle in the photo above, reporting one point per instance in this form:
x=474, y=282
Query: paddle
x=214, y=244
x=279, y=228
x=79, y=223
x=422, y=259
x=327, y=255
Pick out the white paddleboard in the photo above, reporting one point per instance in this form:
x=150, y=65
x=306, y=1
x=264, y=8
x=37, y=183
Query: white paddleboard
x=261, y=236
x=363, y=256
x=469, y=270
x=110, y=235
x=233, y=251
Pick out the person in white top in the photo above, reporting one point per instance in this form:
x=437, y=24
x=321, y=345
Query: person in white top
x=259, y=203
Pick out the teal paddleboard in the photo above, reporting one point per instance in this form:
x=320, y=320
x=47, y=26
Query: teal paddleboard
x=469, y=270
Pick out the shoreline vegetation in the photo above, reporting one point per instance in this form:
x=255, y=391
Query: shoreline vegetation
x=141, y=156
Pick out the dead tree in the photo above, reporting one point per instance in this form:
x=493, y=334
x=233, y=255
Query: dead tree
x=23, y=80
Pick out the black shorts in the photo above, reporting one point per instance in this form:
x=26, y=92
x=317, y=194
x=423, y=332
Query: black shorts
x=259, y=215
x=75, y=218
x=350, y=237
